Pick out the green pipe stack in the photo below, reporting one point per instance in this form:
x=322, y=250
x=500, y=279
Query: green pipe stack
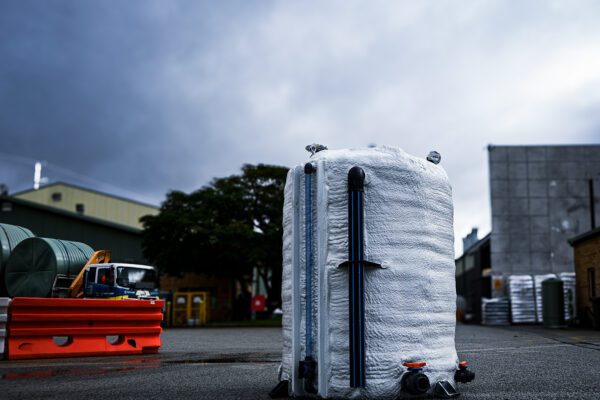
x=36, y=262
x=10, y=237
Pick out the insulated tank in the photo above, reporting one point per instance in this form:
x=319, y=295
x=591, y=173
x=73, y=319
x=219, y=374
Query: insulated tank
x=36, y=262
x=10, y=237
x=368, y=290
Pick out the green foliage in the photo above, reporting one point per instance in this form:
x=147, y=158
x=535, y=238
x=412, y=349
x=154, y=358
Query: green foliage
x=225, y=228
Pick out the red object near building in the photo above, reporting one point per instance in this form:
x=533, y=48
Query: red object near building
x=259, y=303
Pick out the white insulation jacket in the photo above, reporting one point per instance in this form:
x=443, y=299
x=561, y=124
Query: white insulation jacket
x=409, y=303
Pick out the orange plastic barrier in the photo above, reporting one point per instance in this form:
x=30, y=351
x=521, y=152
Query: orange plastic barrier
x=48, y=328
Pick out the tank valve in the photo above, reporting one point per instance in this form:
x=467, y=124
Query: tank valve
x=315, y=148
x=434, y=157
x=414, y=381
x=462, y=374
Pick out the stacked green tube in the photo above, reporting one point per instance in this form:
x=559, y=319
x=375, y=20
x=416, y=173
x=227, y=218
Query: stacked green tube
x=10, y=237
x=35, y=263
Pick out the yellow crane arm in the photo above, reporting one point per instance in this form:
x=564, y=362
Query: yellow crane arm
x=99, y=257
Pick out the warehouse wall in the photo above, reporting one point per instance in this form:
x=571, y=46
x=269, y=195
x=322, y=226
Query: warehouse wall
x=220, y=290
x=125, y=244
x=97, y=205
x=470, y=284
x=540, y=198
x=587, y=257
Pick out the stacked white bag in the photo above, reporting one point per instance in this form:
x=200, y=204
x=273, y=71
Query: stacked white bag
x=409, y=303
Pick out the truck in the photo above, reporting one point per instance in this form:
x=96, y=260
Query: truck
x=120, y=281
x=47, y=267
x=101, y=278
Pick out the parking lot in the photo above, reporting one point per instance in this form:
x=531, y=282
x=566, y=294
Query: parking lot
x=241, y=363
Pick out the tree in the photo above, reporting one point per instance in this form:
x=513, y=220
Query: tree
x=225, y=228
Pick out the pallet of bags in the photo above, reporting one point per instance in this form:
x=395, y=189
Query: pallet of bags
x=522, y=299
x=495, y=311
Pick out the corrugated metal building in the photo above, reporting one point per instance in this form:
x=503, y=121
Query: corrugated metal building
x=95, y=204
x=124, y=242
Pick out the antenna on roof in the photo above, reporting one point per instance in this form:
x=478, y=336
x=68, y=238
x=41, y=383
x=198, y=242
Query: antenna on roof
x=37, y=176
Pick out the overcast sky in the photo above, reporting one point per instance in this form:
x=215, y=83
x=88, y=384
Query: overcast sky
x=141, y=97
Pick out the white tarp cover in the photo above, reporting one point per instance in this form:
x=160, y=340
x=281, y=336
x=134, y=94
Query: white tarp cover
x=409, y=305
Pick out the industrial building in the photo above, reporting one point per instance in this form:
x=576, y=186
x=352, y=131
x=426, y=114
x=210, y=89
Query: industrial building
x=541, y=196
x=70, y=212
x=587, y=270
x=473, y=277
x=218, y=294
x=104, y=221
x=89, y=202
x=124, y=242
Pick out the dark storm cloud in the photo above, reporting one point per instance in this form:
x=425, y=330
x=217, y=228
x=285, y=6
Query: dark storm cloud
x=83, y=85
x=146, y=96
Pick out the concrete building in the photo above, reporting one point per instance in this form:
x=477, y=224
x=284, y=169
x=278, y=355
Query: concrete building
x=92, y=203
x=540, y=196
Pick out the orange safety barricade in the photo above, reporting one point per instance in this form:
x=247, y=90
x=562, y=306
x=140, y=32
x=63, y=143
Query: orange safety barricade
x=48, y=328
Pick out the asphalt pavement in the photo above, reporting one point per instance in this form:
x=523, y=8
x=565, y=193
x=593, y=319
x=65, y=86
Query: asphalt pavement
x=516, y=362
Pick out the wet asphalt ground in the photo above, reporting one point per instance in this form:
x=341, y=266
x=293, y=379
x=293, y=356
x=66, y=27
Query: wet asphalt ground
x=516, y=362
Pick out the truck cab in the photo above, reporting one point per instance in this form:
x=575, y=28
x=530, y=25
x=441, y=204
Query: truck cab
x=117, y=280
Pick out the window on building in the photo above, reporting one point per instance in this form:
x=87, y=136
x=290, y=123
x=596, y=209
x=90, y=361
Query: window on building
x=592, y=282
x=56, y=196
x=80, y=208
x=469, y=262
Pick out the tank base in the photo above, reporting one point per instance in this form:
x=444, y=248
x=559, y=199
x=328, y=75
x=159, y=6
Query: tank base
x=445, y=390
x=280, y=391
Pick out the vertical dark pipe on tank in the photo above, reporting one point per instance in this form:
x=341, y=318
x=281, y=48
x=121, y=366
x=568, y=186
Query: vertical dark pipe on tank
x=308, y=367
x=308, y=170
x=592, y=204
x=356, y=180
x=356, y=265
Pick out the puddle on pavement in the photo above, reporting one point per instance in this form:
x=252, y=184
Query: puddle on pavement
x=136, y=364
x=227, y=360
x=75, y=372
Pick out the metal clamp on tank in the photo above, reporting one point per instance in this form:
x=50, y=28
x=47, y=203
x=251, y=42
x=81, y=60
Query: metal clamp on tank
x=414, y=381
x=462, y=374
